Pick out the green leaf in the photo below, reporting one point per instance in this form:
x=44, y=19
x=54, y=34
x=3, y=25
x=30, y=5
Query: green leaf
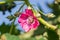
x=59, y=26
x=10, y=17
x=41, y=38
x=11, y=37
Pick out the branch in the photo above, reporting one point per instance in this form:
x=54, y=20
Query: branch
x=47, y=25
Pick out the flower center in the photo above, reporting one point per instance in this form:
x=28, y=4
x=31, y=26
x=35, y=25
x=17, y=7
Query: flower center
x=30, y=20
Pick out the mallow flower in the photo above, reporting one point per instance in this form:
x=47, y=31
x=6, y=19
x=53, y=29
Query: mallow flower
x=28, y=21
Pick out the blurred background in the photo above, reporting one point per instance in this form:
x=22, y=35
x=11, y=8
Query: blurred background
x=10, y=29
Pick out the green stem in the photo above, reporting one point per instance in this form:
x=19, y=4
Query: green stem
x=47, y=25
x=14, y=20
x=12, y=26
x=27, y=2
x=3, y=2
x=21, y=7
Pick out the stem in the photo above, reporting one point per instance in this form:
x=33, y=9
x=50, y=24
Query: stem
x=3, y=2
x=47, y=25
x=15, y=19
x=21, y=7
x=12, y=26
x=27, y=2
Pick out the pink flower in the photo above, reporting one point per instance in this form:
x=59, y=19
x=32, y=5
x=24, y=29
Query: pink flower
x=28, y=21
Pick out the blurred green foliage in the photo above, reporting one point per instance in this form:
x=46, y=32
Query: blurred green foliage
x=6, y=29
x=38, y=34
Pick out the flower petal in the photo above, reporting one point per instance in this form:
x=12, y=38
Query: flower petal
x=29, y=12
x=35, y=24
x=26, y=27
x=22, y=18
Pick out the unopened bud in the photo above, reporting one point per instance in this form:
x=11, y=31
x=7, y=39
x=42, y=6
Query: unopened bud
x=29, y=7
